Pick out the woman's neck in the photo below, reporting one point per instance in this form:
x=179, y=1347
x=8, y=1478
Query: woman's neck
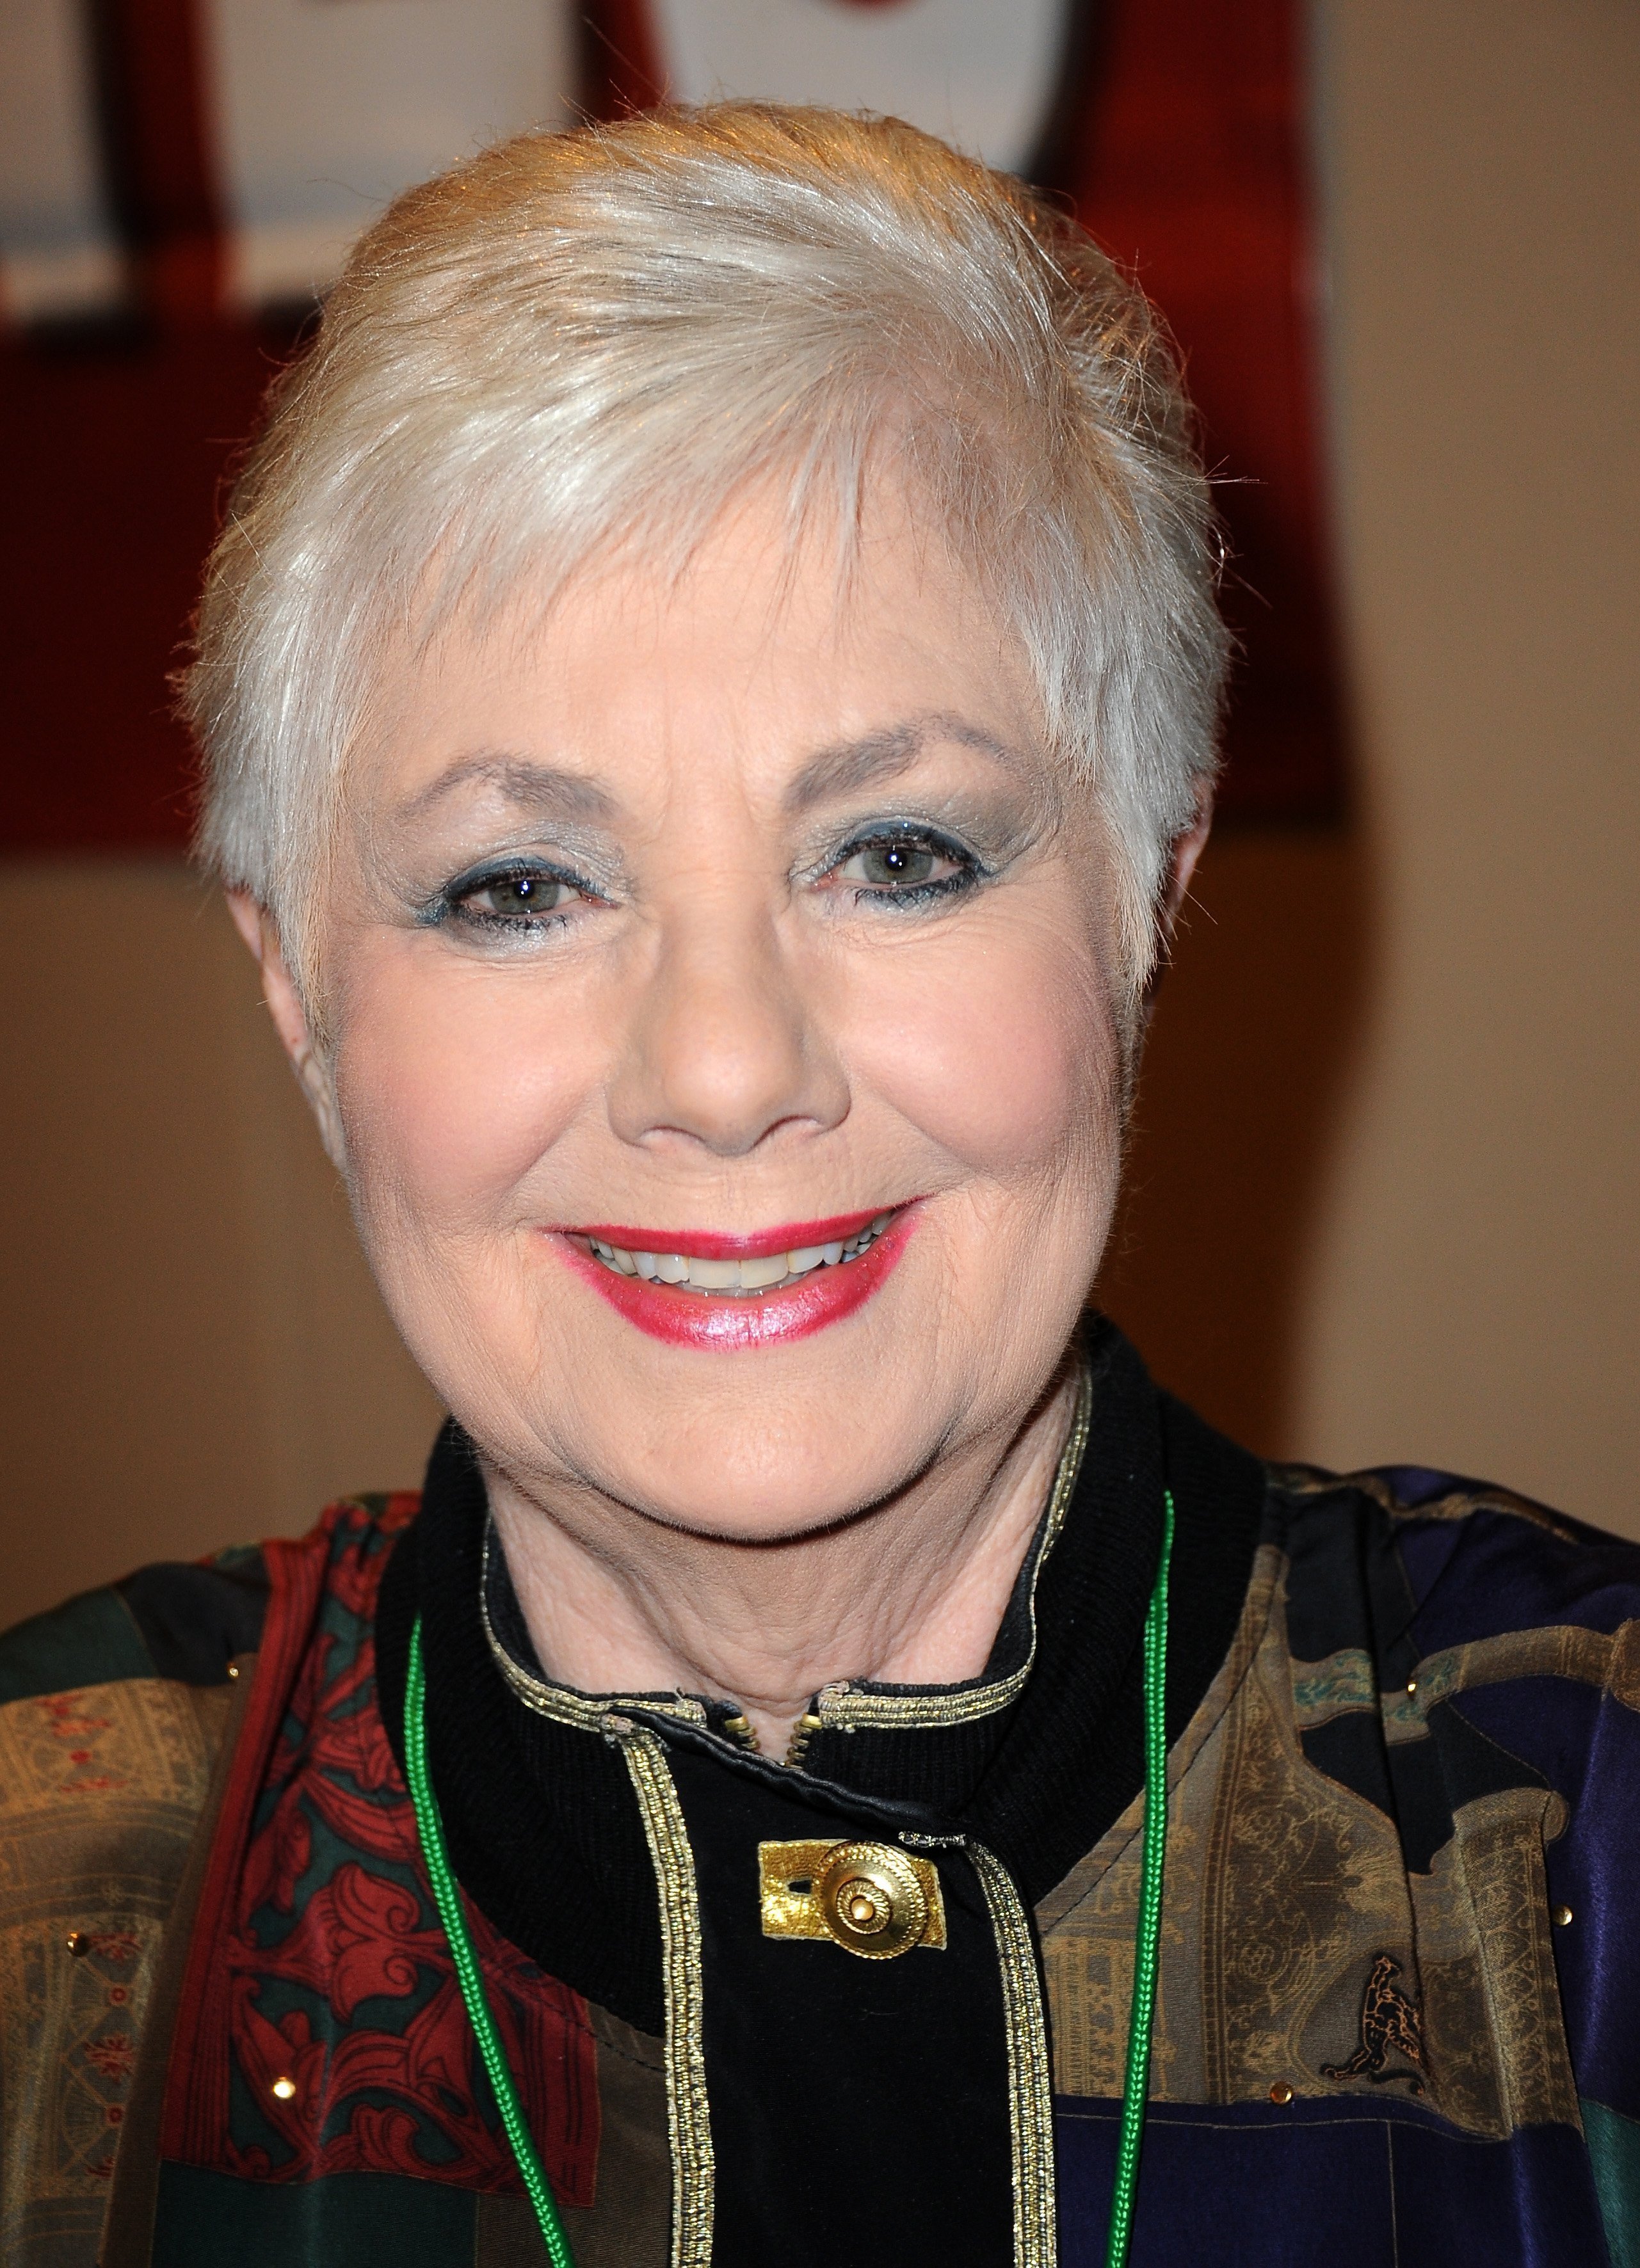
x=911, y=1592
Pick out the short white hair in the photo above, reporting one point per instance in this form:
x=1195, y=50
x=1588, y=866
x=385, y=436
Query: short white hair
x=575, y=339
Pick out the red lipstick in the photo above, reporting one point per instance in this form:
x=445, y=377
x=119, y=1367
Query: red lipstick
x=726, y=1320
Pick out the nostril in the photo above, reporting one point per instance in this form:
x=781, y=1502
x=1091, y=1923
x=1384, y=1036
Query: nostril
x=729, y=1138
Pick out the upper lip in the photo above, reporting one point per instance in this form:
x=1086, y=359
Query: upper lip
x=714, y=1244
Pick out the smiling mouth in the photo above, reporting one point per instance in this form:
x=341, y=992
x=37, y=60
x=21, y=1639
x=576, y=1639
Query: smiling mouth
x=749, y=1275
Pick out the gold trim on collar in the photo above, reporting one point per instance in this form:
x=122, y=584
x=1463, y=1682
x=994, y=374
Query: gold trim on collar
x=562, y=1702
x=1030, y=2086
x=846, y=1708
x=688, y=2112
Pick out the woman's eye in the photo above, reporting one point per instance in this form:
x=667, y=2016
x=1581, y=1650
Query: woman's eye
x=896, y=864
x=518, y=897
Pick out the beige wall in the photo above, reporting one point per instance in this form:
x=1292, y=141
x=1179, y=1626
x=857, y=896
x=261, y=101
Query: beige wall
x=1388, y=1182
x=1385, y=1190
x=1473, y=1288
x=194, y=1352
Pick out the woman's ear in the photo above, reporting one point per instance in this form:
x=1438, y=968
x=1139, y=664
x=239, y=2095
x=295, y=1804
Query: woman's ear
x=1181, y=866
x=1187, y=848
x=257, y=925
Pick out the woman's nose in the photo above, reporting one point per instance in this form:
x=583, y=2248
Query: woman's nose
x=726, y=1045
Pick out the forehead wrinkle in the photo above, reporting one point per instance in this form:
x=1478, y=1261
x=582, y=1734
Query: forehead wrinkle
x=847, y=766
x=543, y=790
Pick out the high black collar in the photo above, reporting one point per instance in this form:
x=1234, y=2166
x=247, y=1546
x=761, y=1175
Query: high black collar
x=538, y=1813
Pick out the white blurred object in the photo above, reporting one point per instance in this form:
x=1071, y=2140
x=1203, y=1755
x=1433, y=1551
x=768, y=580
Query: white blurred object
x=59, y=256
x=317, y=112
x=324, y=109
x=981, y=73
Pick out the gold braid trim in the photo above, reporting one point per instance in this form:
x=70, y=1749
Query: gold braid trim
x=1030, y=2090
x=589, y=1711
x=847, y=1708
x=688, y=2114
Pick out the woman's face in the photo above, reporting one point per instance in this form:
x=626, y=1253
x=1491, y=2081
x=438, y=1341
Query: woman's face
x=733, y=930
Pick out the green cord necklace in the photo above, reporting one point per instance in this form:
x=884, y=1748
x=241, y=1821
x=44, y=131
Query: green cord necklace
x=447, y=1898
x=1152, y=1864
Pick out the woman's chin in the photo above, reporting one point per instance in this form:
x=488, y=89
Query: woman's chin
x=734, y=1470
x=752, y=1523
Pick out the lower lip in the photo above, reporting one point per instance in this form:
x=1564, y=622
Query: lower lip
x=746, y=1319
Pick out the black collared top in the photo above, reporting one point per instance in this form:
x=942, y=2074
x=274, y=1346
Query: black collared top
x=845, y=2108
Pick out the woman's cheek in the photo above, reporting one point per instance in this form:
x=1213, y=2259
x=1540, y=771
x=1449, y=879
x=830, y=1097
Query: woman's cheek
x=1005, y=1057
x=452, y=1089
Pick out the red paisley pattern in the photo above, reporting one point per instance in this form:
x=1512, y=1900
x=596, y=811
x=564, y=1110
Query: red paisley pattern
x=326, y=1969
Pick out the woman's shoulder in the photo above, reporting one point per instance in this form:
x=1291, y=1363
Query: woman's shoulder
x=115, y=1708
x=186, y=1622
x=120, y=1717
x=1450, y=1534
x=180, y=1620
x=1466, y=1583
x=112, y=1708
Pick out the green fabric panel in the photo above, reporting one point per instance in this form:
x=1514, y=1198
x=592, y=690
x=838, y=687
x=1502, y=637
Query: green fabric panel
x=1614, y=2150
x=233, y=1557
x=90, y=1640
x=210, y=2220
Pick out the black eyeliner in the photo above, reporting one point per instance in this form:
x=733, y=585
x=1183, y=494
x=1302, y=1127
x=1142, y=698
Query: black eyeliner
x=448, y=902
x=972, y=870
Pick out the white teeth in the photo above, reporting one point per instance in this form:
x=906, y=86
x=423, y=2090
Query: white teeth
x=714, y=1275
x=762, y=1274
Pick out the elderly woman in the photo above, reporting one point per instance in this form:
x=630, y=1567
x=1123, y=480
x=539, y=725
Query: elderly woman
x=709, y=685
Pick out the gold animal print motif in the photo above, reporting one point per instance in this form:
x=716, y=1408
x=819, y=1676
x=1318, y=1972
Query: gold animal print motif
x=1390, y=2024
x=1287, y=1892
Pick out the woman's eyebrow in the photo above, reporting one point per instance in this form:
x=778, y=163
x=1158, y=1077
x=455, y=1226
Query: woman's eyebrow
x=542, y=789
x=847, y=766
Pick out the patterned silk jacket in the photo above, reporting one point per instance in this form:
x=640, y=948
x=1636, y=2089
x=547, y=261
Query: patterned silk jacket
x=866, y=2004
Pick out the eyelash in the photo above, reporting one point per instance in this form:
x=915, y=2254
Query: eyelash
x=910, y=836
x=451, y=904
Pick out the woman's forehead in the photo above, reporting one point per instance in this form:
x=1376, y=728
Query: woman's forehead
x=773, y=571
x=819, y=672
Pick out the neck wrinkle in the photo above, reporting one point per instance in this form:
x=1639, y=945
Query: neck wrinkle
x=874, y=1614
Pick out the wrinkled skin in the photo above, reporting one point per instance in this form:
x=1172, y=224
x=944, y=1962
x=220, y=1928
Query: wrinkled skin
x=614, y=936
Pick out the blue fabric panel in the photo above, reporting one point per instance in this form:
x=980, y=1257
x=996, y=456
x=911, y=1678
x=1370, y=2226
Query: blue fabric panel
x=1417, y=1485
x=214, y=2221
x=1327, y=2184
x=1509, y=1573
x=1424, y=1548
x=1588, y=1747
